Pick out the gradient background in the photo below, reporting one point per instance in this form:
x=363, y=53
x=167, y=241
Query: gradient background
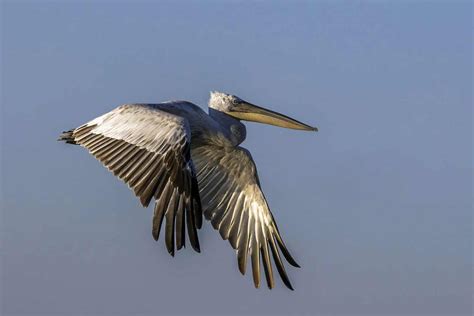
x=376, y=207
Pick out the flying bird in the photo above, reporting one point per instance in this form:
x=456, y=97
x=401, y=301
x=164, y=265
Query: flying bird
x=190, y=163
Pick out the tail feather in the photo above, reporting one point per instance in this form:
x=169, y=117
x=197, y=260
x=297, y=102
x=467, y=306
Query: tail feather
x=67, y=137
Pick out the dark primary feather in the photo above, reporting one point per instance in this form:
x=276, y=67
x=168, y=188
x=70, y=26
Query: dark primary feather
x=67, y=137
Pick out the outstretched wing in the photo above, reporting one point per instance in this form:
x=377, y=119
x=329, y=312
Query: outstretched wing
x=149, y=149
x=234, y=203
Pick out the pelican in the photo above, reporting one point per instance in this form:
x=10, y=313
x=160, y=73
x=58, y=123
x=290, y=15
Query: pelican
x=190, y=163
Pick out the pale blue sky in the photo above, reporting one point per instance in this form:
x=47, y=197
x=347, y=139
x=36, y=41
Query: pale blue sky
x=376, y=207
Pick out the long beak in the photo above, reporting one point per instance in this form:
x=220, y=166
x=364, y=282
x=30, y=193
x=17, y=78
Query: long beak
x=250, y=112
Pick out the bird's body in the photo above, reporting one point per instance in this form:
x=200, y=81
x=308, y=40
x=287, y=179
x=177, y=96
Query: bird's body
x=190, y=163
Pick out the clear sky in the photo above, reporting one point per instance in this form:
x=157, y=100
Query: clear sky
x=376, y=207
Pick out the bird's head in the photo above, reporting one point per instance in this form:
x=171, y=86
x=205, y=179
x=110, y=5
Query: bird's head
x=243, y=110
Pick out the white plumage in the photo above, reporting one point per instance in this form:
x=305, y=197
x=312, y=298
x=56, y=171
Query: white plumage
x=189, y=161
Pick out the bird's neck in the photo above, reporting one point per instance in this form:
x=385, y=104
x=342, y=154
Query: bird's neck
x=234, y=130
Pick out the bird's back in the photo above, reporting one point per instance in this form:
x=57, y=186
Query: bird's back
x=203, y=127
